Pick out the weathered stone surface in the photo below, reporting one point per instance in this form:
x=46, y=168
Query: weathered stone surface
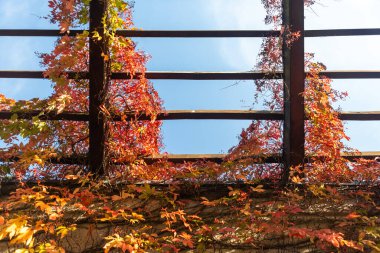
x=89, y=236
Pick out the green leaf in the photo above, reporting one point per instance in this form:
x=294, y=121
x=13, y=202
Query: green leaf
x=14, y=117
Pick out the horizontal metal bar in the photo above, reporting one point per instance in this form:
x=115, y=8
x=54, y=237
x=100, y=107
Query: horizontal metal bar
x=196, y=33
x=188, y=115
x=219, y=115
x=184, y=75
x=374, y=115
x=37, y=32
x=38, y=74
x=199, y=33
x=21, y=74
x=166, y=115
x=218, y=158
x=180, y=158
x=188, y=75
x=69, y=160
x=151, y=33
x=173, y=158
x=70, y=116
x=271, y=158
x=342, y=32
x=364, y=155
x=359, y=116
x=352, y=74
x=352, y=157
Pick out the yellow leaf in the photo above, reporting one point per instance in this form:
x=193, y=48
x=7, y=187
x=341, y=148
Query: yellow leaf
x=258, y=188
x=63, y=231
x=38, y=160
x=76, y=190
x=138, y=216
x=105, y=57
x=71, y=177
x=116, y=198
x=25, y=235
x=296, y=180
x=44, y=207
x=54, y=216
x=22, y=251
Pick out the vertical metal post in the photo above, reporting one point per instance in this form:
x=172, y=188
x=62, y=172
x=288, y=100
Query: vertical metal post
x=98, y=88
x=294, y=81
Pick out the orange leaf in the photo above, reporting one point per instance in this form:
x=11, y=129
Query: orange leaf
x=353, y=215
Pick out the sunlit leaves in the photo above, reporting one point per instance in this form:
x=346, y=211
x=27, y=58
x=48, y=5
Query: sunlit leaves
x=247, y=214
x=133, y=242
x=18, y=231
x=62, y=231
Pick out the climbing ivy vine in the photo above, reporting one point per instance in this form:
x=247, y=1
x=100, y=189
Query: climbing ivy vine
x=164, y=207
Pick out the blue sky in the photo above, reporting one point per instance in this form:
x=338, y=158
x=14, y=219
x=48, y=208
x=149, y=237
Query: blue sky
x=225, y=54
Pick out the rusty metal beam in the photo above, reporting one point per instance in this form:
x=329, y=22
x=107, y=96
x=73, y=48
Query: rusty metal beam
x=294, y=78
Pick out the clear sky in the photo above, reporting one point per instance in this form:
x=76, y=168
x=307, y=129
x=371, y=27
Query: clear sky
x=223, y=54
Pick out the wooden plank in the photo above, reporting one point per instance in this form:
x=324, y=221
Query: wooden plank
x=294, y=82
x=166, y=115
x=188, y=75
x=98, y=89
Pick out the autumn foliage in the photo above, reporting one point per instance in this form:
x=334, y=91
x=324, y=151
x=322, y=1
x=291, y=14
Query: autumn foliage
x=330, y=204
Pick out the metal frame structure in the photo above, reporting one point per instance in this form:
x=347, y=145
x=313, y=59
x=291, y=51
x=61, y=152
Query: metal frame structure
x=293, y=75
